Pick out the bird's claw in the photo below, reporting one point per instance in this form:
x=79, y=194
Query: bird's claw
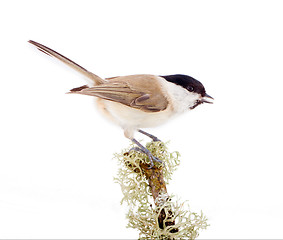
x=152, y=159
x=137, y=149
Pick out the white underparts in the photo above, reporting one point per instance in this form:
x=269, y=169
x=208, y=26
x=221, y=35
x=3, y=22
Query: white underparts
x=131, y=119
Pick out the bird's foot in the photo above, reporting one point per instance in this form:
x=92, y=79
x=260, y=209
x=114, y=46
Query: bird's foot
x=151, y=158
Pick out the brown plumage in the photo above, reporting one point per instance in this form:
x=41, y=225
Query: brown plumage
x=69, y=62
x=136, y=91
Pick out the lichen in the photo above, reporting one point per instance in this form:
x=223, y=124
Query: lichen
x=143, y=211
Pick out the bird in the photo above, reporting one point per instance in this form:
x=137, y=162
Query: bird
x=139, y=101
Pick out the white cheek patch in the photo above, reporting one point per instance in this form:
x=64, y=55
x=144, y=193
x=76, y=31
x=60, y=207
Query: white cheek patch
x=181, y=98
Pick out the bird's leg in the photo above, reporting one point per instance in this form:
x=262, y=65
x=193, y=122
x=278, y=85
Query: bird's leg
x=155, y=139
x=141, y=148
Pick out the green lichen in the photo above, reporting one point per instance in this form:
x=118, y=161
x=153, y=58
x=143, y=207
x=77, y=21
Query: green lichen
x=143, y=212
x=146, y=222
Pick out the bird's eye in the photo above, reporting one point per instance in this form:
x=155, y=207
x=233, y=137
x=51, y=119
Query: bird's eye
x=190, y=89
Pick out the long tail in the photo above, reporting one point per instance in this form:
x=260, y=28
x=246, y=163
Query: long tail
x=96, y=79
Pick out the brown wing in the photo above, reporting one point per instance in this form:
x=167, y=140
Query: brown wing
x=137, y=91
x=70, y=63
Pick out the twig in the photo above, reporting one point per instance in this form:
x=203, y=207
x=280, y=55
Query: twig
x=168, y=219
x=157, y=185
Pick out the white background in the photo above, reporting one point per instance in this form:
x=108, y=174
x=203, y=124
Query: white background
x=56, y=166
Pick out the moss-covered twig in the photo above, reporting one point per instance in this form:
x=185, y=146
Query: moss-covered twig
x=159, y=193
x=166, y=220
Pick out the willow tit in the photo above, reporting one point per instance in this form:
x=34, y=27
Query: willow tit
x=138, y=101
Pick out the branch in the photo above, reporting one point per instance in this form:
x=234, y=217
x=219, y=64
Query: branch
x=157, y=185
x=142, y=186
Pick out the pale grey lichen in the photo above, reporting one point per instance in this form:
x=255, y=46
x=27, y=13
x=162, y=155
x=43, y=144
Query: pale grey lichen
x=143, y=212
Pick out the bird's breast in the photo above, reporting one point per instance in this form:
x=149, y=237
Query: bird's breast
x=128, y=117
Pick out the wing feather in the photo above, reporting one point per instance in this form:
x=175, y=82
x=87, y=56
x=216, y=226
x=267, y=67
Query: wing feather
x=129, y=92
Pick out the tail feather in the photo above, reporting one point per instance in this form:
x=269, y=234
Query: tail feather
x=96, y=79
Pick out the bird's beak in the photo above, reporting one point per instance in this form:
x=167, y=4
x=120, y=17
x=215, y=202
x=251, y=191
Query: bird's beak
x=204, y=100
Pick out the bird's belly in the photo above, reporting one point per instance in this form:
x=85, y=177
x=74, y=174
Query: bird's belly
x=128, y=117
